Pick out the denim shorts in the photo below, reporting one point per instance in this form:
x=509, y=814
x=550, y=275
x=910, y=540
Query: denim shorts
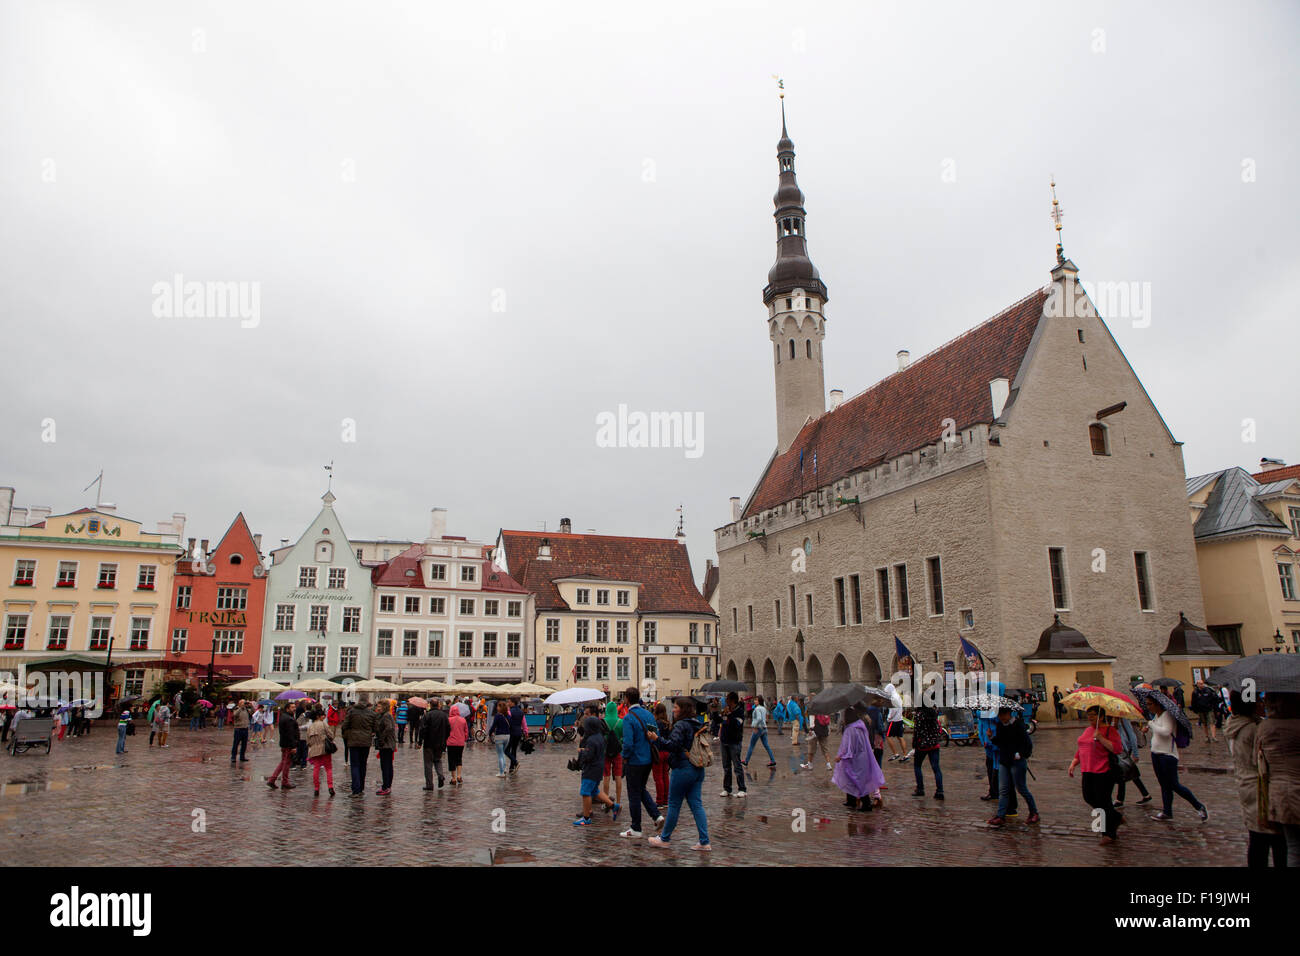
x=589, y=788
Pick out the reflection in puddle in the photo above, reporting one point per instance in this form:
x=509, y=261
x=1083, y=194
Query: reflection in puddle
x=18, y=789
x=507, y=856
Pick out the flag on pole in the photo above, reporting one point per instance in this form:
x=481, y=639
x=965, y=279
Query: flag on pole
x=971, y=654
x=903, y=657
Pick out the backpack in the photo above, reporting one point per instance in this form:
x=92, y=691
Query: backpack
x=700, y=755
x=1182, y=737
x=612, y=746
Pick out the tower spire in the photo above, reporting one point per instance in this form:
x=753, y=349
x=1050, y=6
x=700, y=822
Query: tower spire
x=1057, y=214
x=792, y=269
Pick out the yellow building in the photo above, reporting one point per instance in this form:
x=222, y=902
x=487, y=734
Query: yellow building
x=1247, y=531
x=614, y=612
x=85, y=593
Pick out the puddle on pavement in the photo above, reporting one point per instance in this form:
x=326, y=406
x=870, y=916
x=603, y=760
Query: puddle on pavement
x=506, y=856
x=18, y=789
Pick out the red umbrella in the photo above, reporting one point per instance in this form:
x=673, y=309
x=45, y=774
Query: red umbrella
x=418, y=702
x=205, y=703
x=1109, y=693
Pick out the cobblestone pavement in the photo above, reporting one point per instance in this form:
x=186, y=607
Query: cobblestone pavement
x=82, y=805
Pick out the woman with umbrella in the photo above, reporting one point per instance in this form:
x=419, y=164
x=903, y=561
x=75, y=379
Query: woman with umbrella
x=1279, y=763
x=856, y=771
x=1262, y=838
x=1162, y=714
x=1095, y=747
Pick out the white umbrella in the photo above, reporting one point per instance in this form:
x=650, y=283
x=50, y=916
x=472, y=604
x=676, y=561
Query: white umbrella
x=256, y=684
x=575, y=695
x=317, y=684
x=374, y=685
x=528, y=687
x=428, y=687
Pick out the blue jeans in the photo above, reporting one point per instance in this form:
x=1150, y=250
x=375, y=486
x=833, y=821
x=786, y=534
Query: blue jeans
x=934, y=765
x=685, y=783
x=357, y=761
x=760, y=734
x=1166, y=768
x=121, y=739
x=502, y=761
x=1009, y=776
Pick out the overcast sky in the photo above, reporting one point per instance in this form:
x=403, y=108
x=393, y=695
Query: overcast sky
x=475, y=227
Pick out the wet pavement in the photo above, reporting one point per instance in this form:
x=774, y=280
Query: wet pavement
x=187, y=804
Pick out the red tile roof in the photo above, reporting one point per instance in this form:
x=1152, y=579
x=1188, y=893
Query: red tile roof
x=392, y=574
x=905, y=411
x=660, y=565
x=1277, y=474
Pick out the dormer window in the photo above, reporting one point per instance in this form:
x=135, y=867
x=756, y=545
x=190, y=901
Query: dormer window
x=324, y=551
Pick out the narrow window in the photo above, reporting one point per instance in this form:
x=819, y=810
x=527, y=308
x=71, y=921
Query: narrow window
x=791, y=346
x=1056, y=561
x=778, y=612
x=882, y=584
x=1143, y=580
x=840, y=613
x=794, y=608
x=900, y=575
x=808, y=347
x=856, y=582
x=810, y=614
x=751, y=617
x=936, y=585
x=1097, y=436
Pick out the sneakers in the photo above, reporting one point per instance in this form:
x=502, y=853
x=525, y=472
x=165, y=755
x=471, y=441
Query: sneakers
x=441, y=781
x=805, y=766
x=631, y=834
x=1203, y=813
x=659, y=822
x=1033, y=818
x=705, y=847
x=939, y=795
x=316, y=792
x=1161, y=816
x=582, y=822
x=288, y=786
x=772, y=764
x=270, y=782
x=918, y=792
x=996, y=821
x=613, y=814
x=1146, y=799
x=384, y=792
x=741, y=794
x=725, y=793
x=829, y=767
x=657, y=841
x=989, y=796
x=331, y=791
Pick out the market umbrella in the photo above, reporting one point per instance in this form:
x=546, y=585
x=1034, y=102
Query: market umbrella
x=530, y=689
x=475, y=687
x=834, y=698
x=257, y=684
x=1167, y=703
x=1269, y=674
x=989, y=702
x=428, y=687
x=374, y=685
x=575, y=695
x=1110, y=701
x=290, y=695
x=1166, y=682
x=725, y=687
x=317, y=684
x=418, y=702
x=510, y=689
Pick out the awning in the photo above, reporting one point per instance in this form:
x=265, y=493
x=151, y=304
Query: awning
x=1060, y=642
x=1188, y=640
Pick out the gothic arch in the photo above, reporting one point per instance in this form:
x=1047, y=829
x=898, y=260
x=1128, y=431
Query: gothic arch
x=769, y=680
x=749, y=677
x=870, y=669
x=731, y=671
x=789, y=677
x=813, y=675
x=840, y=670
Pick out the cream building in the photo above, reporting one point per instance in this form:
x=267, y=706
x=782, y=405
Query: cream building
x=1247, y=531
x=85, y=592
x=1017, y=475
x=613, y=612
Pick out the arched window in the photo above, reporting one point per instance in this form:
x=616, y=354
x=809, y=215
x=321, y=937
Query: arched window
x=808, y=346
x=778, y=355
x=1099, y=437
x=792, y=348
x=236, y=559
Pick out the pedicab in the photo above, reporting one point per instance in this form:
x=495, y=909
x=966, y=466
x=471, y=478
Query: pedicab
x=959, y=726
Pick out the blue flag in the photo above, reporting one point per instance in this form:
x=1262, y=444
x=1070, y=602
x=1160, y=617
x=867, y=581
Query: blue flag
x=971, y=654
x=904, y=656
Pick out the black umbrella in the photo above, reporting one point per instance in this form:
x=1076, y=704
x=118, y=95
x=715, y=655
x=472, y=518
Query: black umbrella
x=1168, y=703
x=834, y=698
x=1267, y=674
x=725, y=686
x=1166, y=682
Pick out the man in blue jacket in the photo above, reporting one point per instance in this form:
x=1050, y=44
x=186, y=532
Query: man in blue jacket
x=637, y=761
x=795, y=715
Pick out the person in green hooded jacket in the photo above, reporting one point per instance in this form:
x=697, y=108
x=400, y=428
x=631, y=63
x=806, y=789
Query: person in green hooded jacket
x=613, y=751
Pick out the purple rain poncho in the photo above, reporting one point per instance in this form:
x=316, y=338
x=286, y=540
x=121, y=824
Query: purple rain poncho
x=856, y=772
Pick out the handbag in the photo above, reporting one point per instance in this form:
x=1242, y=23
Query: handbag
x=330, y=746
x=1124, y=766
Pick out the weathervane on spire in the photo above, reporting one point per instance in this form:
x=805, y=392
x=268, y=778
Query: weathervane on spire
x=1057, y=214
x=780, y=86
x=681, y=518
x=329, y=486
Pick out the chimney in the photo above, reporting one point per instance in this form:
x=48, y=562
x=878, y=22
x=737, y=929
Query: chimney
x=566, y=526
x=1271, y=464
x=837, y=397
x=107, y=506
x=38, y=513
x=6, y=504
x=904, y=359
x=999, y=391
x=204, y=545
x=189, y=551
x=283, y=542
x=735, y=509
x=257, y=543
x=437, y=523
x=544, y=550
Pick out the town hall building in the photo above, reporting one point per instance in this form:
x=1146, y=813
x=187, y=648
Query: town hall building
x=1015, y=487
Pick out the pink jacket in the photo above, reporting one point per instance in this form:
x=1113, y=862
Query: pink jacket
x=459, y=730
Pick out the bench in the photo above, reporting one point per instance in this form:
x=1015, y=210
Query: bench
x=32, y=732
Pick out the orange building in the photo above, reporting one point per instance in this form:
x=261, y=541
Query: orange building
x=217, y=604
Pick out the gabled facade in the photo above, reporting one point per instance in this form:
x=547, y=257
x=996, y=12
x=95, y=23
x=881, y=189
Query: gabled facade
x=217, y=608
x=1017, y=473
x=613, y=612
x=1247, y=531
x=445, y=611
x=318, y=606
